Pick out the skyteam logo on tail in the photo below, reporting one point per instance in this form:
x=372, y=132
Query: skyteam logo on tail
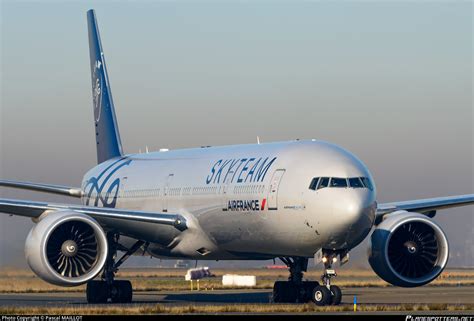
x=97, y=89
x=102, y=191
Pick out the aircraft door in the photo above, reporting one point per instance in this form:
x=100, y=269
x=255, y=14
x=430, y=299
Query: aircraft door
x=122, y=192
x=225, y=191
x=272, y=198
x=166, y=189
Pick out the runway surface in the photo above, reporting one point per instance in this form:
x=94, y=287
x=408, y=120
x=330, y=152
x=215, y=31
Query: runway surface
x=389, y=295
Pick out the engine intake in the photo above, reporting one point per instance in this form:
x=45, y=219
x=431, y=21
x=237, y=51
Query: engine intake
x=408, y=249
x=66, y=248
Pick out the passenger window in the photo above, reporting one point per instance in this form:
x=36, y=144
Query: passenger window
x=314, y=183
x=323, y=182
x=338, y=182
x=367, y=183
x=355, y=182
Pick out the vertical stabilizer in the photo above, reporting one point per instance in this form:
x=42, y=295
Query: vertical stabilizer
x=106, y=128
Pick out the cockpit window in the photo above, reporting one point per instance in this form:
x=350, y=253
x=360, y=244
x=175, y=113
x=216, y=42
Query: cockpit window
x=323, y=182
x=367, y=183
x=314, y=183
x=338, y=182
x=355, y=182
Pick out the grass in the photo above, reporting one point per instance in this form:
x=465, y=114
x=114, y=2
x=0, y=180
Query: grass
x=234, y=308
x=24, y=281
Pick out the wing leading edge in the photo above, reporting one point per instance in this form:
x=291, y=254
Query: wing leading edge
x=426, y=205
x=35, y=209
x=46, y=188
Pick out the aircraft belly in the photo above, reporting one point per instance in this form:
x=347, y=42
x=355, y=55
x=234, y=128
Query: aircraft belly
x=250, y=234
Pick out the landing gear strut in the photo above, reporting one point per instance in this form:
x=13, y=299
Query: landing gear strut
x=326, y=293
x=295, y=290
x=118, y=291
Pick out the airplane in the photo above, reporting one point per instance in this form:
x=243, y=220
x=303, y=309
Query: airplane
x=293, y=200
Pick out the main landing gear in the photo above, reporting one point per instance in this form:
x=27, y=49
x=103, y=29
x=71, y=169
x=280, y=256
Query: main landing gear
x=118, y=291
x=295, y=290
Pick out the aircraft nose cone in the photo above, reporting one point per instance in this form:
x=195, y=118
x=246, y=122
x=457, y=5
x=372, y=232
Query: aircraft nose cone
x=354, y=215
x=360, y=215
x=349, y=208
x=353, y=209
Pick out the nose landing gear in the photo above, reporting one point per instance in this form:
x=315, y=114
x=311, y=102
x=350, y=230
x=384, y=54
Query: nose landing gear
x=326, y=293
x=295, y=290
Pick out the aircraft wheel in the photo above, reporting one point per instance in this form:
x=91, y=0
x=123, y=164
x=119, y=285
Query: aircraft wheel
x=278, y=291
x=284, y=292
x=336, y=295
x=96, y=292
x=121, y=291
x=308, y=288
x=321, y=296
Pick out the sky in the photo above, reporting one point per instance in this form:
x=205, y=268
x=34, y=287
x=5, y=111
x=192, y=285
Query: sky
x=389, y=81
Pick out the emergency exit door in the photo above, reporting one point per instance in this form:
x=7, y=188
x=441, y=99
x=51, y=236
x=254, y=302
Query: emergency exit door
x=272, y=198
x=166, y=191
x=226, y=190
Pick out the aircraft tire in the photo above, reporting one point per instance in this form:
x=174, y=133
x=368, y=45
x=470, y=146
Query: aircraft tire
x=336, y=294
x=321, y=296
x=96, y=292
x=284, y=292
x=308, y=287
x=121, y=291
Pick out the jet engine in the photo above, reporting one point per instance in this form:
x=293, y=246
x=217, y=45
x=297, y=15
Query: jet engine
x=408, y=249
x=66, y=248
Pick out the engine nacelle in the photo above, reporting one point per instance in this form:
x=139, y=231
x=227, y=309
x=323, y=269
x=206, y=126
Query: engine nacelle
x=408, y=249
x=66, y=248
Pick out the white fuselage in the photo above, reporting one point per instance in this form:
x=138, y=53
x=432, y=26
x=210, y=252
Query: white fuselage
x=245, y=201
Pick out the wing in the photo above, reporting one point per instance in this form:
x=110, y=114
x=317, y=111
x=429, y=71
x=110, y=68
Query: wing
x=425, y=206
x=111, y=216
x=47, y=188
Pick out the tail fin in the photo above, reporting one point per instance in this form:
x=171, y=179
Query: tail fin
x=106, y=128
